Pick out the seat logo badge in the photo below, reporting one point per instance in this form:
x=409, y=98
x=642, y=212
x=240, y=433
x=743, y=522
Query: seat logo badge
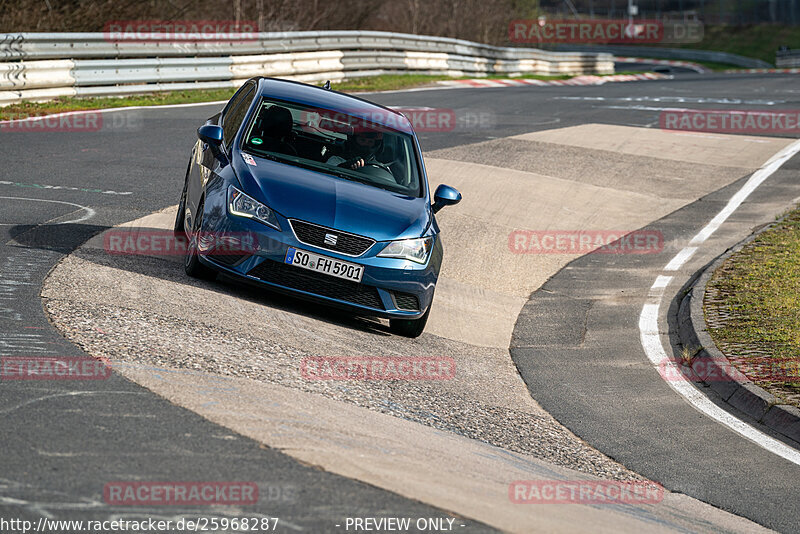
x=331, y=239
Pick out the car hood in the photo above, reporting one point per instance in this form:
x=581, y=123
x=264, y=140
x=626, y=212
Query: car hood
x=298, y=193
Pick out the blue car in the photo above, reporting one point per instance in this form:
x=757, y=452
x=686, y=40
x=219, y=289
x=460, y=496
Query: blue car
x=320, y=194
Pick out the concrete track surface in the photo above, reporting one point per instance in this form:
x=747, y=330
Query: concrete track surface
x=224, y=360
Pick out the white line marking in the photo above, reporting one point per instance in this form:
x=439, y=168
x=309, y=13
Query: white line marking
x=651, y=341
x=678, y=100
x=650, y=336
x=680, y=258
x=658, y=287
x=88, y=215
x=63, y=188
x=638, y=107
x=28, y=402
x=772, y=165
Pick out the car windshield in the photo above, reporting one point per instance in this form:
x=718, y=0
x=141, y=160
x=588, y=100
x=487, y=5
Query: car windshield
x=346, y=146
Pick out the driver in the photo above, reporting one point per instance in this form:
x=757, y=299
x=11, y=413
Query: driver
x=362, y=148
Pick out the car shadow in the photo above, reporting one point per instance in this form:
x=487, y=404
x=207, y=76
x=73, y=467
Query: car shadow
x=62, y=238
x=86, y=242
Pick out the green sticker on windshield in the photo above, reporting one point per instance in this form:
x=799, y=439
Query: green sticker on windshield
x=256, y=140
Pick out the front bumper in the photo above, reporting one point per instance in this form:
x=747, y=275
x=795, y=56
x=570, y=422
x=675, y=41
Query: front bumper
x=390, y=287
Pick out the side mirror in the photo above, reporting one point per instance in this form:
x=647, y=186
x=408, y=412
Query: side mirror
x=211, y=135
x=445, y=196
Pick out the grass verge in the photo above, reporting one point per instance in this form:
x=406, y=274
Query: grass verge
x=752, y=306
x=388, y=82
x=61, y=105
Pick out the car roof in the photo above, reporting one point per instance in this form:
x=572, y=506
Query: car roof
x=311, y=95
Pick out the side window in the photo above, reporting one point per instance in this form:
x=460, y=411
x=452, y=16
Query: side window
x=234, y=114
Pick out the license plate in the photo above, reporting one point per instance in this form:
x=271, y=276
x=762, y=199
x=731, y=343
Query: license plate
x=324, y=264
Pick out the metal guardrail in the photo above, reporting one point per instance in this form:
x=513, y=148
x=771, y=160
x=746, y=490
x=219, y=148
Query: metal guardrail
x=29, y=46
x=685, y=54
x=787, y=59
x=34, y=66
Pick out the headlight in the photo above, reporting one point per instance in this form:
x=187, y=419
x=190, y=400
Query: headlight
x=415, y=250
x=245, y=206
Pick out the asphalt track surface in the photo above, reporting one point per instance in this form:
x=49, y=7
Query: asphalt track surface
x=580, y=331
x=63, y=441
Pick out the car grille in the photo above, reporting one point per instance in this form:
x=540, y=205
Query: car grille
x=406, y=301
x=318, y=284
x=311, y=234
x=227, y=258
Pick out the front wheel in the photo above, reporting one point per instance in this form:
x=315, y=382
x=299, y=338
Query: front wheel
x=191, y=263
x=409, y=327
x=180, y=229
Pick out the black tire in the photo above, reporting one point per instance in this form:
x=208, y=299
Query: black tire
x=191, y=262
x=409, y=327
x=180, y=219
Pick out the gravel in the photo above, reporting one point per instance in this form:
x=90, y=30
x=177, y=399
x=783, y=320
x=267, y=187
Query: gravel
x=142, y=310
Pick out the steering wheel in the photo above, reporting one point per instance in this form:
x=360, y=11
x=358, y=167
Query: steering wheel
x=380, y=166
x=400, y=179
x=348, y=164
x=378, y=172
x=289, y=149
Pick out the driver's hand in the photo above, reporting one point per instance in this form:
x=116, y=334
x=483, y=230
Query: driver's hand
x=353, y=163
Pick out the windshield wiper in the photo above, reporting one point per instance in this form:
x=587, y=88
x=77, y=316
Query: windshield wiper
x=346, y=176
x=269, y=156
